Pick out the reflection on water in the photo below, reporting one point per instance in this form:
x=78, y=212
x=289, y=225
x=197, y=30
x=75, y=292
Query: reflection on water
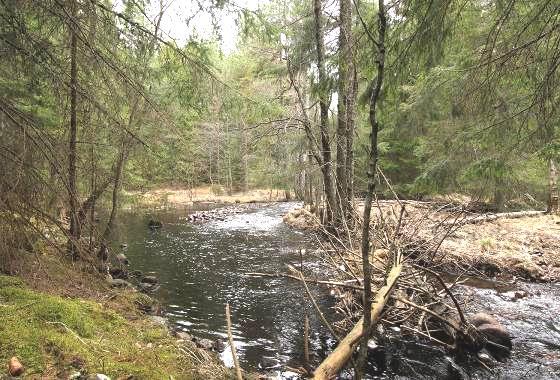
x=201, y=268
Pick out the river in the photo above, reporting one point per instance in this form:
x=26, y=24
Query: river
x=202, y=266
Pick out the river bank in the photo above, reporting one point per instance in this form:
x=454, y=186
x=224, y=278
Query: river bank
x=62, y=320
x=180, y=197
x=527, y=247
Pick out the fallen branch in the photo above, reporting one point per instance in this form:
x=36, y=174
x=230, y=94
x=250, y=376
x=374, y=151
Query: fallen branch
x=233, y=350
x=343, y=352
x=278, y=275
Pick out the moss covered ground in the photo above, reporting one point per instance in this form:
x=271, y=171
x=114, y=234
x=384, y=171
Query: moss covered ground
x=55, y=337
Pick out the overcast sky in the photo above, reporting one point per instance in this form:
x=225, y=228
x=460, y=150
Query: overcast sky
x=176, y=24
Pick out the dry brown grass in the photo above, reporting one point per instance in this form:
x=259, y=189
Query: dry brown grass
x=189, y=197
x=528, y=247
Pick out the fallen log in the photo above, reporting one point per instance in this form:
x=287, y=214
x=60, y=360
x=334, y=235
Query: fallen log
x=492, y=217
x=343, y=352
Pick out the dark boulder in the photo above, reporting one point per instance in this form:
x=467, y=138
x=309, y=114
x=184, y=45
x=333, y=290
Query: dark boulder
x=154, y=224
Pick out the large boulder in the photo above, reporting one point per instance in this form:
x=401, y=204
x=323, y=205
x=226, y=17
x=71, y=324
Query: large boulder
x=498, y=339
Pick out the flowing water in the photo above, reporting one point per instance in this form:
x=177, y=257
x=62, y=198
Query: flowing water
x=203, y=266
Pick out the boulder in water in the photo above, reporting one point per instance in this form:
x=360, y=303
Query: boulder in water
x=205, y=344
x=154, y=224
x=483, y=318
x=118, y=273
x=219, y=345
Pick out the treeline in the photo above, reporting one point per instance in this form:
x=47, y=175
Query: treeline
x=462, y=96
x=434, y=97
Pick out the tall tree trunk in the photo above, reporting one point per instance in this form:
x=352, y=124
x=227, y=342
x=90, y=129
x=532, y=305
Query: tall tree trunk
x=115, y=199
x=326, y=167
x=372, y=169
x=553, y=203
x=344, y=89
x=72, y=155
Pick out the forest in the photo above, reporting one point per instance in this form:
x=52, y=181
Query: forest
x=283, y=189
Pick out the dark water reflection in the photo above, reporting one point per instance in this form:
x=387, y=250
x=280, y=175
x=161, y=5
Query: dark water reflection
x=201, y=267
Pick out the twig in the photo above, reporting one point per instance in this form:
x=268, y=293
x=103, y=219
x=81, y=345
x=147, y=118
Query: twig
x=233, y=350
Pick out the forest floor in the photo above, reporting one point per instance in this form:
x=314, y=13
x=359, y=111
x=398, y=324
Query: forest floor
x=526, y=247
x=61, y=321
x=173, y=197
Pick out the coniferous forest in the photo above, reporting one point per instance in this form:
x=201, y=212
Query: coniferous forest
x=283, y=189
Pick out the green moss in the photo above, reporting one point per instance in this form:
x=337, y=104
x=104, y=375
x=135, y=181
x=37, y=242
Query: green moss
x=51, y=334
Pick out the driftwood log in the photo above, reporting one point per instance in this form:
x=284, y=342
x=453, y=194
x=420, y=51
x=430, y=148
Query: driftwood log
x=343, y=352
x=492, y=217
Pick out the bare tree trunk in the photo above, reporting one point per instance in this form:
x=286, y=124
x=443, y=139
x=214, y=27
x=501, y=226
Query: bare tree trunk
x=115, y=199
x=371, y=172
x=72, y=155
x=344, y=89
x=553, y=206
x=245, y=159
x=326, y=167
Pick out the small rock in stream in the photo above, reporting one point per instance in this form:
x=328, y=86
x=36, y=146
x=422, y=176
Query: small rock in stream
x=154, y=224
x=149, y=280
x=205, y=344
x=268, y=363
x=219, y=345
x=485, y=357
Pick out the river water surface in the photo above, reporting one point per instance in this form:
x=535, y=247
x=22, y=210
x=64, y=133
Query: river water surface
x=202, y=266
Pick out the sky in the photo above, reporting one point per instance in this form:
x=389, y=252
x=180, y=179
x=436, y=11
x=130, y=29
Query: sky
x=175, y=22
